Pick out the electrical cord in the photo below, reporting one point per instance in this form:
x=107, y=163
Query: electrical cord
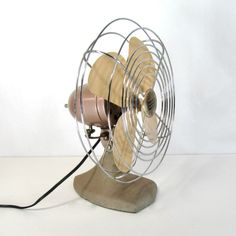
x=54, y=186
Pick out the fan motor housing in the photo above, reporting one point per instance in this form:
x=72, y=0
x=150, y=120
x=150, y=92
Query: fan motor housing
x=95, y=109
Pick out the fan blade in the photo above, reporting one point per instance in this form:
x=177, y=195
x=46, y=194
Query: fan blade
x=100, y=75
x=141, y=58
x=123, y=152
x=150, y=127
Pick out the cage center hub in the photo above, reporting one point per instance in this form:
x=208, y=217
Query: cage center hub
x=149, y=103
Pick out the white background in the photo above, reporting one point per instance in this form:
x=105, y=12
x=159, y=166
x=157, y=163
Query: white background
x=41, y=44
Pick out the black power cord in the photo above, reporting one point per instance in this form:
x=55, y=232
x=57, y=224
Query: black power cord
x=56, y=185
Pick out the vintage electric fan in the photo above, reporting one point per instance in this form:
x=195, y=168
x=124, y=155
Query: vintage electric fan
x=125, y=97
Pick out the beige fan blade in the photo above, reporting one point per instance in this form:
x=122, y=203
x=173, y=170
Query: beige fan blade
x=123, y=151
x=100, y=75
x=141, y=59
x=150, y=127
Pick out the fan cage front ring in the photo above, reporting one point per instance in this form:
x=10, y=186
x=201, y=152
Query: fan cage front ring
x=145, y=152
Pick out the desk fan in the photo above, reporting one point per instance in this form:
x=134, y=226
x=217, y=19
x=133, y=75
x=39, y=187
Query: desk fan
x=125, y=97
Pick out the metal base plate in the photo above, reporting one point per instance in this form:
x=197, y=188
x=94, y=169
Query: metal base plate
x=96, y=187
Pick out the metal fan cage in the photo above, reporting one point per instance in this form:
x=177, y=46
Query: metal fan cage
x=147, y=156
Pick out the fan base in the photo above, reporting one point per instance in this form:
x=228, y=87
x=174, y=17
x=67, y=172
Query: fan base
x=96, y=187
